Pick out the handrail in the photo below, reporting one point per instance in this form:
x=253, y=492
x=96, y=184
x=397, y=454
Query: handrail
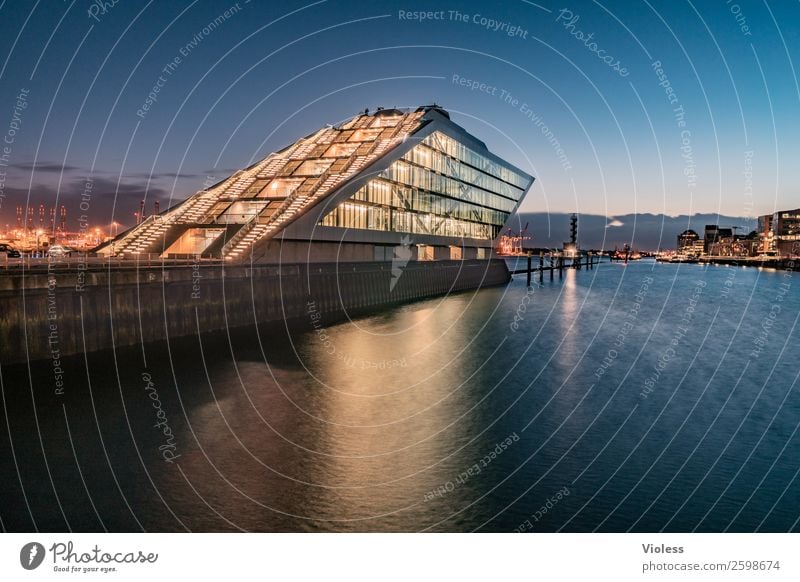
x=118, y=244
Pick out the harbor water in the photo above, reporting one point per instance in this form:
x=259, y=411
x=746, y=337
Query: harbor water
x=639, y=397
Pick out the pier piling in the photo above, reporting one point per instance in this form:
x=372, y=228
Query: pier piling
x=529, y=270
x=541, y=267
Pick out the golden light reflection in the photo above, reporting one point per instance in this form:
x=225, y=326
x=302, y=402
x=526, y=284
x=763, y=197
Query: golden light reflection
x=394, y=427
x=569, y=306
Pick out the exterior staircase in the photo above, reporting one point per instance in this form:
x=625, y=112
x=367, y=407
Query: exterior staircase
x=308, y=193
x=141, y=238
x=200, y=208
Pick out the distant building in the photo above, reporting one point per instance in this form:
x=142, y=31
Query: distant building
x=718, y=241
x=765, y=233
x=787, y=232
x=687, y=242
x=779, y=233
x=746, y=245
x=711, y=233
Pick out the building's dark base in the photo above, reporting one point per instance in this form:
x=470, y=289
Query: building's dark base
x=69, y=311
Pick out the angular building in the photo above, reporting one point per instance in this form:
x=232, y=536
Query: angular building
x=353, y=192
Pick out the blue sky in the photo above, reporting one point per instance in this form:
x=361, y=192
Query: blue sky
x=601, y=137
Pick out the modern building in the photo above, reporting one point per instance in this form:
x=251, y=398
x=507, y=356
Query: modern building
x=765, y=233
x=748, y=245
x=687, y=242
x=780, y=233
x=717, y=240
x=786, y=228
x=412, y=180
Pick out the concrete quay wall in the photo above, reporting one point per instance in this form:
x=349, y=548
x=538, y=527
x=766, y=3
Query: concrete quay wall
x=61, y=311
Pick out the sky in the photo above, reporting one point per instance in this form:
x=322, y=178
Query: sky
x=669, y=107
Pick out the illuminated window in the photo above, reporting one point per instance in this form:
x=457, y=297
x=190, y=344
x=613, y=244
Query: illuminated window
x=425, y=252
x=255, y=188
x=217, y=209
x=280, y=188
x=313, y=167
x=365, y=135
x=290, y=167
x=455, y=253
x=386, y=121
x=341, y=150
x=194, y=241
x=344, y=136
x=457, y=150
x=241, y=211
x=429, y=191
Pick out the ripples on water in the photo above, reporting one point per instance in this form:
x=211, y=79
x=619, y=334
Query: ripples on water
x=439, y=415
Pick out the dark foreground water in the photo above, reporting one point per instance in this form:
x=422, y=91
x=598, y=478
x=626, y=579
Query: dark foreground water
x=648, y=397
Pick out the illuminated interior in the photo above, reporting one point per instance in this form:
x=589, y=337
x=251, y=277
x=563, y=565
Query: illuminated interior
x=440, y=187
x=194, y=241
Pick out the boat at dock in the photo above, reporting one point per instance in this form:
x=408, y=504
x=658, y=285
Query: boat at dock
x=679, y=258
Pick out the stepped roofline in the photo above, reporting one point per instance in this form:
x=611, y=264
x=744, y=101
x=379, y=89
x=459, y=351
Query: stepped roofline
x=286, y=194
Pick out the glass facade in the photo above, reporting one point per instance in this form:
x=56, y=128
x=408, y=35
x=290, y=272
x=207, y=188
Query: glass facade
x=340, y=150
x=241, y=211
x=194, y=241
x=458, y=150
x=440, y=187
x=788, y=225
x=280, y=188
x=312, y=167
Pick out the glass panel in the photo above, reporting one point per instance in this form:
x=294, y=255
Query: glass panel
x=255, y=188
x=386, y=121
x=218, y=208
x=313, y=167
x=431, y=191
x=290, y=167
x=425, y=253
x=265, y=215
x=280, y=188
x=341, y=150
x=194, y=241
x=429, y=158
x=365, y=135
x=457, y=150
x=240, y=212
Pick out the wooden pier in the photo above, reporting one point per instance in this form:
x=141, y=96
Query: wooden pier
x=557, y=264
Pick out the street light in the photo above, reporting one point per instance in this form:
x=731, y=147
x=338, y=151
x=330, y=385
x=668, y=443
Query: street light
x=38, y=234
